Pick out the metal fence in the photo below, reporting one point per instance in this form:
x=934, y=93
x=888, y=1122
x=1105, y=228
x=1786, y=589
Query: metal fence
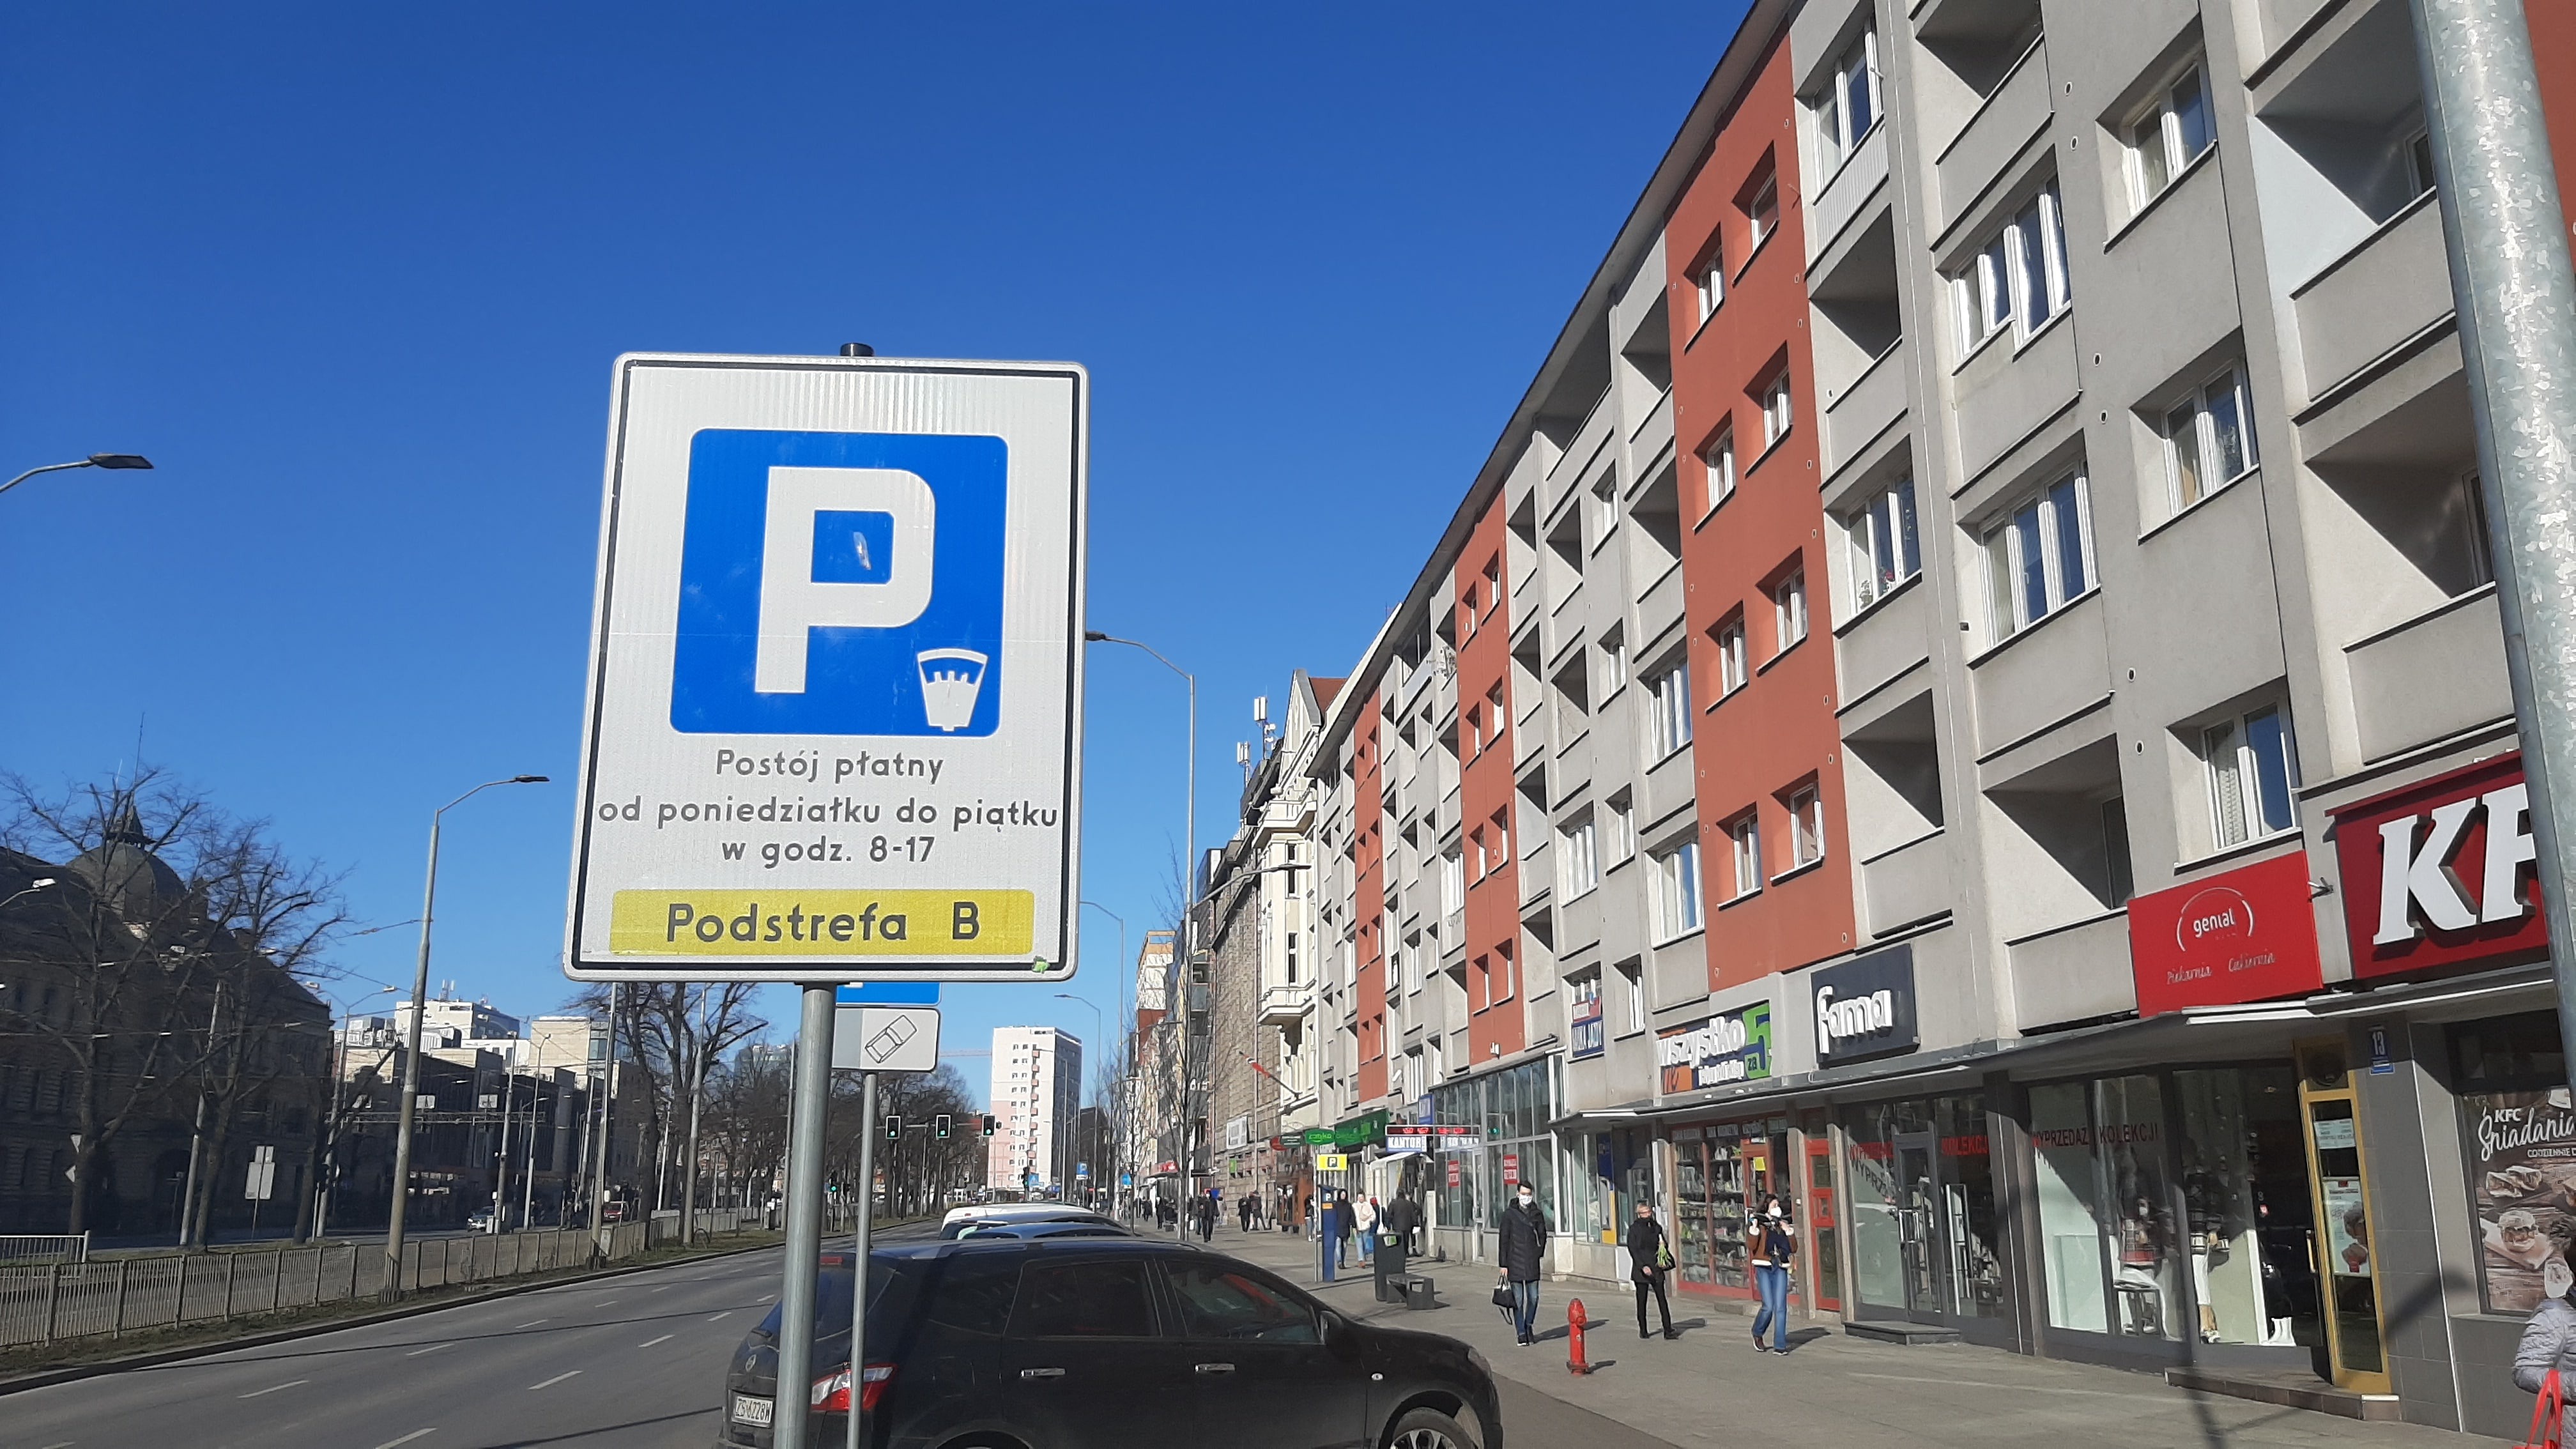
x=126, y=1295
x=44, y=1247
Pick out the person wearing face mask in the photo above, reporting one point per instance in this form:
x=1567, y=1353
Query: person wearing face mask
x=1773, y=1246
x=1524, y=1245
x=1649, y=1261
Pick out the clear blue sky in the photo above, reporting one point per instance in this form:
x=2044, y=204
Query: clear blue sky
x=353, y=276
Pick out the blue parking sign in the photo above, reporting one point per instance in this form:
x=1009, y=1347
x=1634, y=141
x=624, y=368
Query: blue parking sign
x=841, y=584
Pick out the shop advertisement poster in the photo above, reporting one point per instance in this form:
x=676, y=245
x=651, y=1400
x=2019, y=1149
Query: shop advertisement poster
x=1713, y=1051
x=2243, y=935
x=2522, y=1173
x=2347, y=1227
x=2438, y=876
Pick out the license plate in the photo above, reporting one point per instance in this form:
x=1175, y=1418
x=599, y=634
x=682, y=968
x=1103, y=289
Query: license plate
x=748, y=1410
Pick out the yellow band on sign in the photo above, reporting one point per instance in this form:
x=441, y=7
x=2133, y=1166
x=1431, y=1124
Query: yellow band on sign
x=830, y=923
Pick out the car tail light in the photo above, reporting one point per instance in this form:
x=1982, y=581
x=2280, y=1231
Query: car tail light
x=832, y=1391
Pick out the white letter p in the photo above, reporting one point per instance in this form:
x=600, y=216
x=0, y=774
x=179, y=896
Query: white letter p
x=791, y=603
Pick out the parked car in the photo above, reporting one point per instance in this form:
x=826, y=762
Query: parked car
x=1070, y=1228
x=1004, y=1212
x=1107, y=1343
x=979, y=1224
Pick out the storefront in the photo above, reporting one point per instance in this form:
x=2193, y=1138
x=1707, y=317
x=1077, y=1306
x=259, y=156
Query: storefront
x=1512, y=1108
x=1723, y=1170
x=1926, y=1246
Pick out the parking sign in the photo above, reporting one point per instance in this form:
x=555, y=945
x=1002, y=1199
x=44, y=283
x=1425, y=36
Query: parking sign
x=834, y=727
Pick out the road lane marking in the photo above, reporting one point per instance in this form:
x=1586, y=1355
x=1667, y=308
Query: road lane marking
x=662, y=1288
x=605, y=1303
x=531, y=1323
x=728, y=1313
x=769, y=1298
x=433, y=1348
x=407, y=1438
x=550, y=1383
x=66, y=1444
x=273, y=1388
x=665, y=1338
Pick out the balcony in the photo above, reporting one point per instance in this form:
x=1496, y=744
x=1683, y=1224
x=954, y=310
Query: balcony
x=1846, y=192
x=2017, y=110
x=1866, y=407
x=1286, y=1005
x=1908, y=885
x=1888, y=639
x=1530, y=734
x=1655, y=430
x=2042, y=675
x=1661, y=607
x=1595, y=432
x=2073, y=972
x=2435, y=675
x=2396, y=283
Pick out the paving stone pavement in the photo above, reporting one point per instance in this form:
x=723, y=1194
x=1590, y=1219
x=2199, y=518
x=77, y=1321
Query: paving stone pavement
x=1710, y=1387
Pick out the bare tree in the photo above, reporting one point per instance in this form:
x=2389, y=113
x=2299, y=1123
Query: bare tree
x=674, y=1033
x=166, y=909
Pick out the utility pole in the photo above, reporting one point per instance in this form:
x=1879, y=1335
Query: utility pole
x=804, y=1220
x=2516, y=300
x=190, y=1229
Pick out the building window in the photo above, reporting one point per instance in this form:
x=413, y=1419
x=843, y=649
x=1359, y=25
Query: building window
x=1632, y=985
x=1503, y=971
x=1674, y=888
x=1583, y=1016
x=1708, y=279
x=2419, y=160
x=1885, y=549
x=1745, y=836
x=1475, y=732
x=1717, y=462
x=1806, y=826
x=2168, y=136
x=1775, y=409
x=1849, y=106
x=1500, y=833
x=2209, y=440
x=1605, y=511
x=1623, y=829
x=1789, y=611
x=1453, y=883
x=1614, y=664
x=1292, y=961
x=1467, y=613
x=1668, y=721
x=1764, y=213
x=1731, y=670
x=2020, y=272
x=2253, y=767
x=2041, y=557
x=1477, y=849
x=1580, y=868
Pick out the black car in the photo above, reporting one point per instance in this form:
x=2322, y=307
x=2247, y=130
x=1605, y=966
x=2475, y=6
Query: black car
x=1109, y=1343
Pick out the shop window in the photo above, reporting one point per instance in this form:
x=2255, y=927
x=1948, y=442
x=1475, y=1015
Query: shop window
x=2247, y=1219
x=2518, y=1129
x=2110, y=1248
x=1922, y=1207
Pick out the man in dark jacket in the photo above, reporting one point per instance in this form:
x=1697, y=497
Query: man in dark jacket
x=1645, y=1267
x=1523, y=1246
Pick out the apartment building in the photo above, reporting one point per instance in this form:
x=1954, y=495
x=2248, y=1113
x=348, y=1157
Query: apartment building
x=1969, y=694
x=1036, y=1091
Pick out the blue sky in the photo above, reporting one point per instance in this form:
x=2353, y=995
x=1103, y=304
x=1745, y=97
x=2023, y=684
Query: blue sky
x=353, y=276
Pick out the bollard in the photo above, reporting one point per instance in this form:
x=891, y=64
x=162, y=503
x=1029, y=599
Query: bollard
x=1575, y=1323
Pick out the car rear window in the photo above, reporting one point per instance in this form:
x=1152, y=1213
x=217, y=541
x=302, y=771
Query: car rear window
x=1093, y=1298
x=972, y=1292
x=890, y=1283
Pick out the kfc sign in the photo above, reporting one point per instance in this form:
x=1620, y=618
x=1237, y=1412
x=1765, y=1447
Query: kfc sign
x=2246, y=935
x=2438, y=875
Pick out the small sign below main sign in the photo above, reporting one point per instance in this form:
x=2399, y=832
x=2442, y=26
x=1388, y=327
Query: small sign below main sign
x=885, y=1039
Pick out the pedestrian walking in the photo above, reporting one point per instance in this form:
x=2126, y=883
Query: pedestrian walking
x=1364, y=1221
x=1343, y=1223
x=1524, y=1245
x=2548, y=1353
x=1207, y=1217
x=1649, y=1260
x=1773, y=1246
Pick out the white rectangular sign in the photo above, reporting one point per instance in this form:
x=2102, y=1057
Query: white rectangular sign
x=835, y=714
x=885, y=1039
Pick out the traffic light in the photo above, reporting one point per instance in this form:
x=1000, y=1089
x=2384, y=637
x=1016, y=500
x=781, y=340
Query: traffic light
x=894, y=1129
x=989, y=1124
x=939, y=1126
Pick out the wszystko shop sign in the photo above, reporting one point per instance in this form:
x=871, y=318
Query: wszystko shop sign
x=1865, y=1008
x=835, y=707
x=2438, y=876
x=1716, y=1050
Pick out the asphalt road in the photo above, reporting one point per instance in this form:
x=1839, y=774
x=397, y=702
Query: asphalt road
x=635, y=1360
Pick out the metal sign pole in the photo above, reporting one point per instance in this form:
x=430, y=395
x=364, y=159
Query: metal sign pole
x=859, y=1259
x=794, y=1391
x=2515, y=296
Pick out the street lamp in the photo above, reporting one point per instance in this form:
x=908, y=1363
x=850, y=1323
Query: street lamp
x=1099, y=1032
x=1126, y=1027
x=1189, y=900
x=94, y=460
x=39, y=883
x=410, y=1103
x=327, y=1177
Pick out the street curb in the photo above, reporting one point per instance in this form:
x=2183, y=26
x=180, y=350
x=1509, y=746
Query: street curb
x=71, y=1373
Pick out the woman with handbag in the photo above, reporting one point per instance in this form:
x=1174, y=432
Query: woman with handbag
x=1648, y=1263
x=2546, y=1359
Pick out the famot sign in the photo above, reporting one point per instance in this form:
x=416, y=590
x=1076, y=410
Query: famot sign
x=2438, y=876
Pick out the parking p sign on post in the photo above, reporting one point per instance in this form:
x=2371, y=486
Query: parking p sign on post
x=835, y=711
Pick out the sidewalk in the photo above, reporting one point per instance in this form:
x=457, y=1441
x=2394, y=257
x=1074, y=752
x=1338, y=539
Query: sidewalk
x=1831, y=1391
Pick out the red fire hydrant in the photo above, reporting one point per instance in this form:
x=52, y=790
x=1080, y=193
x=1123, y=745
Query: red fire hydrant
x=1575, y=1323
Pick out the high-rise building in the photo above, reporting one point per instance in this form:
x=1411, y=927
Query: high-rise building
x=1970, y=694
x=1037, y=1087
